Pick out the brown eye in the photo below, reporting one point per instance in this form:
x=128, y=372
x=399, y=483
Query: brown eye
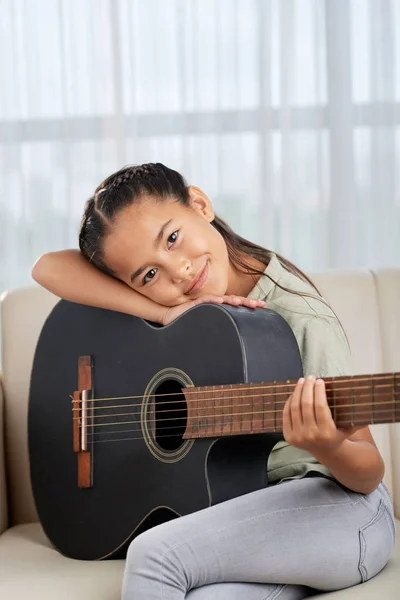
x=172, y=238
x=149, y=276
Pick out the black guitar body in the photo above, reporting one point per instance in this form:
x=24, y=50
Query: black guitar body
x=143, y=472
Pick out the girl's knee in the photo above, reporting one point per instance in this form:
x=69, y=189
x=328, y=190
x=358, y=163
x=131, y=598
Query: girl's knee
x=143, y=550
x=142, y=567
x=152, y=555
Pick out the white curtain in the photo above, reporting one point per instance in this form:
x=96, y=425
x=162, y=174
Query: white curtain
x=286, y=112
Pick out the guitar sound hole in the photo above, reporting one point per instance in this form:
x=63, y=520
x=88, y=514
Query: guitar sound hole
x=170, y=415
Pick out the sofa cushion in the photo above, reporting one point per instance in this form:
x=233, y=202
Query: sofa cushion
x=385, y=585
x=3, y=489
x=23, y=312
x=31, y=568
x=388, y=290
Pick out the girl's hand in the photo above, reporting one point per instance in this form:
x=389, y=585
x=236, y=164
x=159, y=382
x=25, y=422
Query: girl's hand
x=175, y=311
x=308, y=422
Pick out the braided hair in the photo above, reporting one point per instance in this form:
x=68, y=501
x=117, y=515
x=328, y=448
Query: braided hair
x=119, y=190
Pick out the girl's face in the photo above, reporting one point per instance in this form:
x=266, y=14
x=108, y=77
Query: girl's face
x=169, y=252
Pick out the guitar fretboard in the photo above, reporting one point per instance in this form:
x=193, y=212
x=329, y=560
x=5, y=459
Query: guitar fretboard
x=226, y=410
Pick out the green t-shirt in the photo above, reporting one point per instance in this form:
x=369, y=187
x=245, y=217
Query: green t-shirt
x=323, y=348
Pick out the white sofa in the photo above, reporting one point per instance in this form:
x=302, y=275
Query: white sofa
x=368, y=303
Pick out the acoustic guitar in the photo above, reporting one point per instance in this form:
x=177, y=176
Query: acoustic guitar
x=131, y=424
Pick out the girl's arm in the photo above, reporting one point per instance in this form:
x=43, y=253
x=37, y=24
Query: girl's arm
x=356, y=462
x=350, y=454
x=68, y=275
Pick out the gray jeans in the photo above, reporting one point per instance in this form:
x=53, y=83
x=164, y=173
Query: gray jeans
x=284, y=542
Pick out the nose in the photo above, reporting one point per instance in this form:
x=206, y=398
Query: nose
x=182, y=269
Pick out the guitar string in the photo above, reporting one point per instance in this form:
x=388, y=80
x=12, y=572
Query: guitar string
x=375, y=409
x=268, y=385
x=220, y=425
x=227, y=392
x=278, y=404
x=251, y=398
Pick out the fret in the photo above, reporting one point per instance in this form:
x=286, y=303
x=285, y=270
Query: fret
x=289, y=391
x=232, y=418
x=248, y=410
x=264, y=411
x=255, y=401
x=241, y=412
x=225, y=424
x=203, y=414
x=236, y=410
x=243, y=409
x=336, y=396
x=213, y=415
x=201, y=397
x=385, y=399
x=224, y=412
x=220, y=408
x=366, y=401
x=258, y=409
x=355, y=405
x=282, y=399
x=334, y=400
x=210, y=414
x=379, y=395
x=220, y=394
x=251, y=413
x=203, y=424
x=229, y=413
x=275, y=406
x=233, y=410
x=394, y=398
x=224, y=409
x=264, y=420
x=358, y=410
x=196, y=413
x=352, y=401
x=215, y=411
x=244, y=416
x=373, y=400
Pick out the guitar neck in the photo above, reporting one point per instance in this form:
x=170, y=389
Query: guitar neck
x=246, y=408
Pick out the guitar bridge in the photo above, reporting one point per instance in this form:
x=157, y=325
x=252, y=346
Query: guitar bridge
x=80, y=425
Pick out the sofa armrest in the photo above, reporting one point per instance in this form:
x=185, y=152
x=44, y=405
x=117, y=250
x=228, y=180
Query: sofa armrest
x=3, y=488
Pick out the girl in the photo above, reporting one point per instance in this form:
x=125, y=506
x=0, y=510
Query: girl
x=152, y=246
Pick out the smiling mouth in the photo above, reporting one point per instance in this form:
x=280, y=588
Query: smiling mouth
x=199, y=281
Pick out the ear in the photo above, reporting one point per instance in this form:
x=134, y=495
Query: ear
x=200, y=202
